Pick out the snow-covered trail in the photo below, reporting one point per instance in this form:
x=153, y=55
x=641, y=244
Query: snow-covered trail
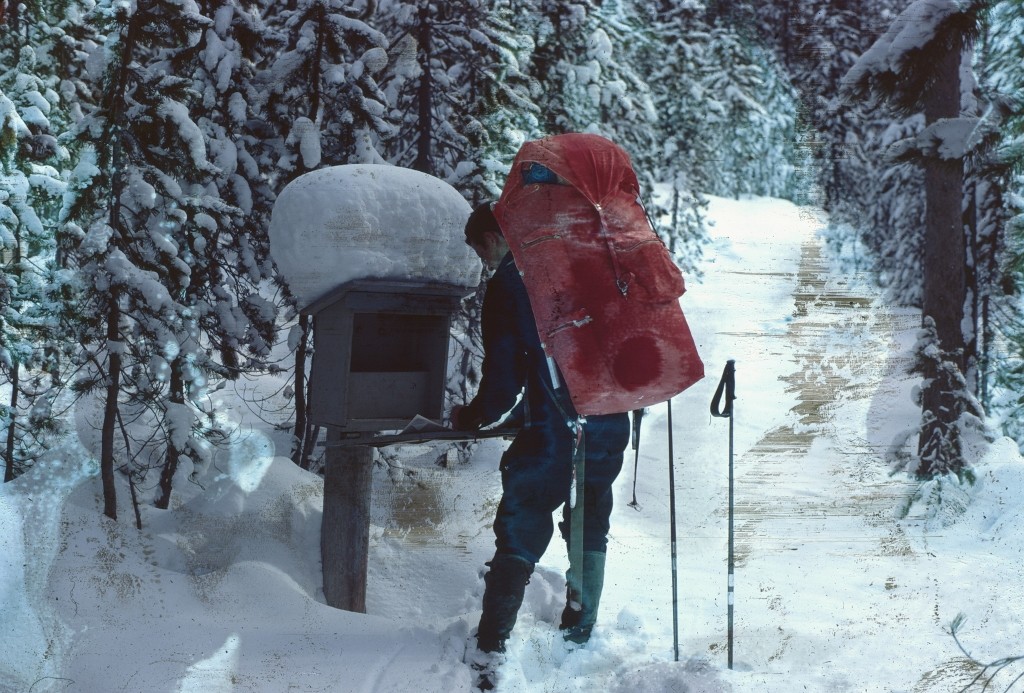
x=845, y=581
x=834, y=574
x=817, y=508
x=782, y=501
x=813, y=494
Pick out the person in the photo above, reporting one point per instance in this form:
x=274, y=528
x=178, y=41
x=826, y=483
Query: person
x=537, y=468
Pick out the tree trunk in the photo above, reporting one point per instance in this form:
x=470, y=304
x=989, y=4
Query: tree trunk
x=300, y=390
x=314, y=79
x=674, y=231
x=12, y=427
x=301, y=430
x=974, y=285
x=424, y=153
x=176, y=396
x=944, y=280
x=312, y=433
x=944, y=286
x=110, y=410
x=992, y=255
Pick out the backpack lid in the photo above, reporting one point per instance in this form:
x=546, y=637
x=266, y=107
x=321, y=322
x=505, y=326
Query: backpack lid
x=592, y=164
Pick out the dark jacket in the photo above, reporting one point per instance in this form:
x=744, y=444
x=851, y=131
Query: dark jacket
x=513, y=359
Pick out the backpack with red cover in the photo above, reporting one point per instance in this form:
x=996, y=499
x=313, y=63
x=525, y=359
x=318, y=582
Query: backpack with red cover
x=603, y=287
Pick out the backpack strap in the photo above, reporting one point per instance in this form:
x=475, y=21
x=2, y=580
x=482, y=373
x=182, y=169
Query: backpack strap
x=576, y=487
x=621, y=282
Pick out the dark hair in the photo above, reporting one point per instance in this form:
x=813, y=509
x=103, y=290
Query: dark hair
x=480, y=222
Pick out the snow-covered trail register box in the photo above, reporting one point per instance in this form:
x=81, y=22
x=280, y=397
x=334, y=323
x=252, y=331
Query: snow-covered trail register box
x=376, y=254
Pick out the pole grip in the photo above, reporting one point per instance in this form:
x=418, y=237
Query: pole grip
x=726, y=385
x=638, y=415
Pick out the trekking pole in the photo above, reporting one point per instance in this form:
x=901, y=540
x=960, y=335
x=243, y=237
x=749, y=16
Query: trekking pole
x=638, y=415
x=728, y=384
x=672, y=524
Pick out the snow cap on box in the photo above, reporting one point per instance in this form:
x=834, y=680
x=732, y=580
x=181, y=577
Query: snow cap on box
x=368, y=221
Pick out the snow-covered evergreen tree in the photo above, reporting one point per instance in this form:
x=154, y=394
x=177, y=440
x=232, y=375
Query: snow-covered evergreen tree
x=609, y=94
x=230, y=207
x=158, y=316
x=751, y=117
x=29, y=341
x=917, y=66
x=998, y=208
x=561, y=32
x=588, y=82
x=670, y=54
x=322, y=98
x=502, y=97
x=458, y=90
x=891, y=198
x=33, y=348
x=498, y=112
x=819, y=41
x=941, y=448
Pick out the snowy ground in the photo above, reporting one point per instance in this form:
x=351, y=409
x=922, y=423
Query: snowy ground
x=847, y=575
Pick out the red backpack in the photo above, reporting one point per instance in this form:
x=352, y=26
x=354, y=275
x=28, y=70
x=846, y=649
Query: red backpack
x=603, y=287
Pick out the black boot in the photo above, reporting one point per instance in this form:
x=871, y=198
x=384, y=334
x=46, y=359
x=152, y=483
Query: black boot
x=582, y=601
x=485, y=666
x=503, y=595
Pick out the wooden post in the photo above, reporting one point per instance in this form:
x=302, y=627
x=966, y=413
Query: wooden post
x=345, y=529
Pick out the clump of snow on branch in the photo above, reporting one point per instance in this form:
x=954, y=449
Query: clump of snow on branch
x=914, y=29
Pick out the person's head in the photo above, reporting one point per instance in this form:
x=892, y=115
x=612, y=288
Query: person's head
x=484, y=236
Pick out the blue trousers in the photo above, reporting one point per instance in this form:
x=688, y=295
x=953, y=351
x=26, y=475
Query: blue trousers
x=536, y=474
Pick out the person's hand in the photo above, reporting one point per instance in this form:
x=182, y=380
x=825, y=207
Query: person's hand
x=461, y=422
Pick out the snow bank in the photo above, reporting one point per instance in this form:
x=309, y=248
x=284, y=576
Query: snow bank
x=222, y=592
x=363, y=221
x=33, y=637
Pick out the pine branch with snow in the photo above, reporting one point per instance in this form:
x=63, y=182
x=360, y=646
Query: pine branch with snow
x=321, y=92
x=948, y=408
x=987, y=671
x=900, y=67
